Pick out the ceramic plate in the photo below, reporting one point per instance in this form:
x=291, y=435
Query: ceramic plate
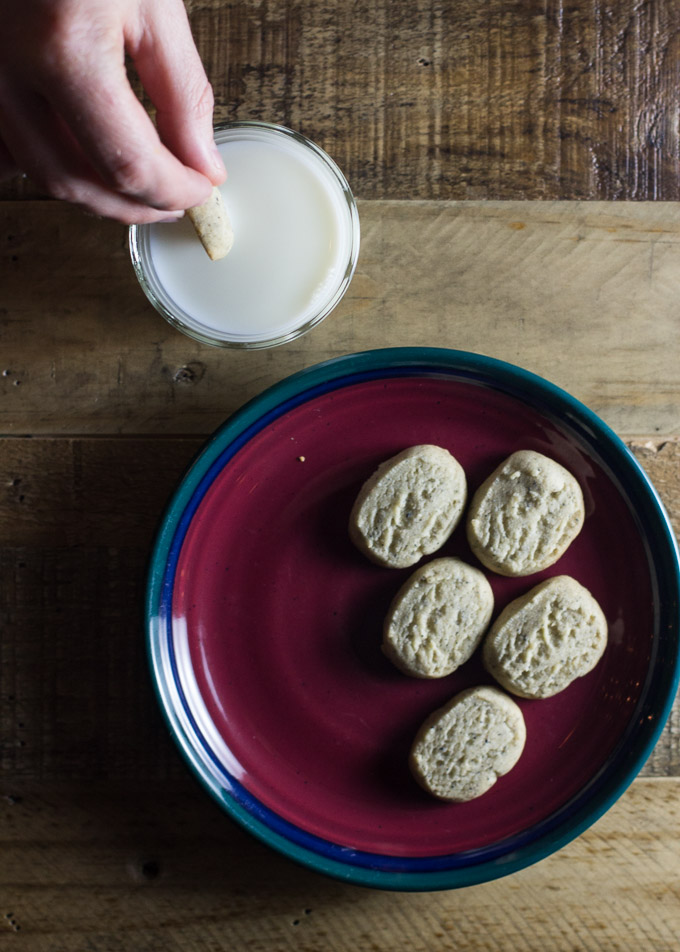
x=264, y=623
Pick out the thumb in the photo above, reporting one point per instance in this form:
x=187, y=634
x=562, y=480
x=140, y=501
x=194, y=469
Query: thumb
x=172, y=73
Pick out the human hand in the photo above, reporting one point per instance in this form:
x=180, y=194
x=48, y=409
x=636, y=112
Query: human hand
x=70, y=120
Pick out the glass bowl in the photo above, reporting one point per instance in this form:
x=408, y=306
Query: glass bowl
x=296, y=245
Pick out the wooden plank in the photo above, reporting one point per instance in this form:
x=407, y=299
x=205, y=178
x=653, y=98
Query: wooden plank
x=77, y=519
x=105, y=867
x=459, y=99
x=583, y=294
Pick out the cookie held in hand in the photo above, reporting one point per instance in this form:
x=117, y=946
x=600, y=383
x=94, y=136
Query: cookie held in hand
x=212, y=225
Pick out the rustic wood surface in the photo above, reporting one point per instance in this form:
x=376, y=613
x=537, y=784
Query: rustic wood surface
x=584, y=294
x=459, y=99
x=108, y=868
x=435, y=110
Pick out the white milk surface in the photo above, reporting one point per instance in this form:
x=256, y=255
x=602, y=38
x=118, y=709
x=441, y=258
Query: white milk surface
x=291, y=244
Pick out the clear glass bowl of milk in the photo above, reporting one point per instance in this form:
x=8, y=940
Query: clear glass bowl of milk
x=296, y=244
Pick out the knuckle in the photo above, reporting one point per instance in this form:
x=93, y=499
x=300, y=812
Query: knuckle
x=65, y=39
x=194, y=100
x=57, y=42
x=62, y=189
x=126, y=174
x=205, y=101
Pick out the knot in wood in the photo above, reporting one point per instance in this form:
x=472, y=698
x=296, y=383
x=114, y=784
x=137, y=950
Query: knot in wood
x=190, y=373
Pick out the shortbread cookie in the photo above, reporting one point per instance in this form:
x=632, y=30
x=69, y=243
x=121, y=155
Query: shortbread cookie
x=409, y=507
x=465, y=746
x=437, y=618
x=546, y=639
x=212, y=225
x=525, y=515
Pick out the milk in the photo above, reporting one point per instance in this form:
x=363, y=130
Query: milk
x=295, y=244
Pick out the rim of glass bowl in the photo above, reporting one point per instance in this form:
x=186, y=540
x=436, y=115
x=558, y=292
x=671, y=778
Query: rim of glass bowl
x=139, y=253
x=616, y=773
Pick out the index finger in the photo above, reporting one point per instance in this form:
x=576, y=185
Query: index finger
x=183, y=97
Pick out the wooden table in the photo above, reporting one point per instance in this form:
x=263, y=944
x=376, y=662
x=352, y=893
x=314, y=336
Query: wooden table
x=451, y=120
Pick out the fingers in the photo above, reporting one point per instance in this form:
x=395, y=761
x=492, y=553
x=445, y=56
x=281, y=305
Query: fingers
x=46, y=150
x=69, y=118
x=172, y=73
x=116, y=134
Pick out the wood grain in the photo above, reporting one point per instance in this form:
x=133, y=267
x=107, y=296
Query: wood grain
x=77, y=519
x=151, y=868
x=434, y=109
x=584, y=294
x=459, y=99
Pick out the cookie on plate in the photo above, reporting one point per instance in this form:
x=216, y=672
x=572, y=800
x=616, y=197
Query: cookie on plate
x=409, y=507
x=545, y=639
x=437, y=618
x=525, y=515
x=465, y=746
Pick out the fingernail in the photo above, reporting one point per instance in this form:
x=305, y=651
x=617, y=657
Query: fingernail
x=217, y=160
x=176, y=216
